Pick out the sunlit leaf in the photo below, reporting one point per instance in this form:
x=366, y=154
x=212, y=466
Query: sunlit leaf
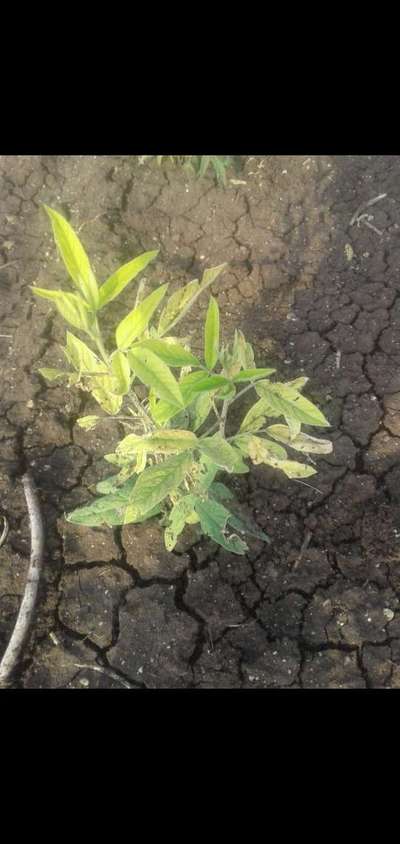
x=72, y=307
x=52, y=374
x=255, y=418
x=171, y=353
x=155, y=374
x=156, y=482
x=117, y=282
x=176, y=304
x=74, y=257
x=87, y=422
x=133, y=325
x=288, y=402
x=122, y=373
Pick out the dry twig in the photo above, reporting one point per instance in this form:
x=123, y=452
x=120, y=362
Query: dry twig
x=303, y=548
x=27, y=607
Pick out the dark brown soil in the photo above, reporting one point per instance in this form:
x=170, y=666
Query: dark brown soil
x=200, y=617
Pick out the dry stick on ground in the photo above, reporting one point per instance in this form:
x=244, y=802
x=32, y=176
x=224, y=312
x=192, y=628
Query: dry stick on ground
x=26, y=610
x=365, y=218
x=106, y=672
x=4, y=534
x=303, y=548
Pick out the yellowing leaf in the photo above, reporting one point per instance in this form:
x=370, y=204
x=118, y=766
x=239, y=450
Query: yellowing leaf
x=117, y=282
x=288, y=402
x=52, y=374
x=155, y=374
x=74, y=257
x=87, y=422
x=156, y=482
x=209, y=276
x=81, y=357
x=211, y=334
x=133, y=325
x=296, y=470
x=256, y=416
x=302, y=442
x=222, y=454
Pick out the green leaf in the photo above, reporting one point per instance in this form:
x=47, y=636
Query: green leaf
x=206, y=472
x=228, y=392
x=201, y=410
x=171, y=353
x=288, y=402
x=221, y=492
x=222, y=453
x=155, y=374
x=175, y=305
x=122, y=373
x=256, y=416
x=250, y=374
x=190, y=385
x=117, y=282
x=71, y=307
x=213, y=519
x=87, y=422
x=245, y=527
x=177, y=520
x=204, y=164
x=206, y=384
x=302, y=442
x=52, y=374
x=136, y=321
x=156, y=482
x=74, y=257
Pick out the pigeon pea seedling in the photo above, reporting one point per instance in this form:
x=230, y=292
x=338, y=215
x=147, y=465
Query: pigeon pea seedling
x=175, y=443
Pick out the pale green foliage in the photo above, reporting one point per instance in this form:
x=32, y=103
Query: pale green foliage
x=169, y=458
x=196, y=164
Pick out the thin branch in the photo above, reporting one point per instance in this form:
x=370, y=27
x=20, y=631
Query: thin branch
x=8, y=264
x=364, y=205
x=238, y=395
x=303, y=549
x=106, y=672
x=4, y=535
x=27, y=607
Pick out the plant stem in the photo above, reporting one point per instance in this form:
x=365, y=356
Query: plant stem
x=238, y=395
x=141, y=410
x=224, y=414
x=97, y=338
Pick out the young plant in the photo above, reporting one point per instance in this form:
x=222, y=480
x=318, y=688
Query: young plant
x=197, y=164
x=175, y=442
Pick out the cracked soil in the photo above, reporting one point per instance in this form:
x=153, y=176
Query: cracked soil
x=115, y=609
